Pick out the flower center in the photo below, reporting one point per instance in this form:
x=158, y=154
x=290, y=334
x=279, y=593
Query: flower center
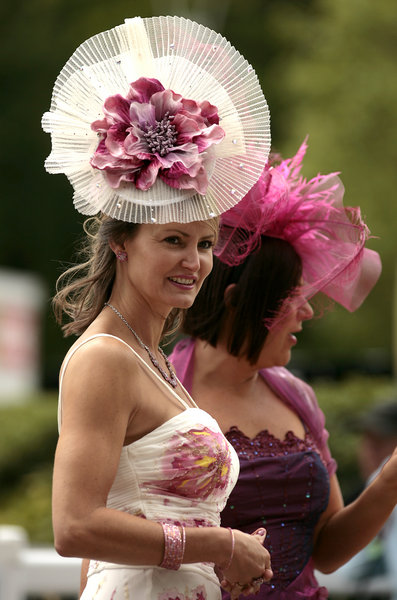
x=162, y=136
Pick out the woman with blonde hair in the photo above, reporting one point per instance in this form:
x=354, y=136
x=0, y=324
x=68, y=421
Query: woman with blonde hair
x=148, y=127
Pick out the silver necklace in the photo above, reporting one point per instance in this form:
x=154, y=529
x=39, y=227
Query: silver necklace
x=171, y=378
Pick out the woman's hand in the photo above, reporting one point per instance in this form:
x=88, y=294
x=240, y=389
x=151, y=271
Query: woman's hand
x=250, y=565
x=388, y=474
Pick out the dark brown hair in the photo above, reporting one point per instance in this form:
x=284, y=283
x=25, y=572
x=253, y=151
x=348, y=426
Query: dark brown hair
x=263, y=281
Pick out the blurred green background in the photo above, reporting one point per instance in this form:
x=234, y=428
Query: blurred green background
x=328, y=70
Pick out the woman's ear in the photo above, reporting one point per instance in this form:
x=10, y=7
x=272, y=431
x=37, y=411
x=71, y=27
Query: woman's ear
x=116, y=247
x=119, y=251
x=228, y=295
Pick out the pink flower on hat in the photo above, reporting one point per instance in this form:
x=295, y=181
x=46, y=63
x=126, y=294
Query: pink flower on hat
x=154, y=132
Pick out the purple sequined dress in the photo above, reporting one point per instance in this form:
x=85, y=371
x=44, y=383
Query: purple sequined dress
x=283, y=484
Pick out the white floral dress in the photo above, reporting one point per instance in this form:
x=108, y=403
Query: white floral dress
x=181, y=472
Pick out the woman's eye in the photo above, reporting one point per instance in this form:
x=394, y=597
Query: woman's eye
x=173, y=240
x=206, y=244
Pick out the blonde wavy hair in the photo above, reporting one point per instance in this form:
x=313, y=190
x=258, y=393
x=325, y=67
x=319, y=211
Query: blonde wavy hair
x=82, y=289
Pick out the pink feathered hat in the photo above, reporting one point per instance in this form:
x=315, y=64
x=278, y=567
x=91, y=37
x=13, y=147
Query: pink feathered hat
x=329, y=238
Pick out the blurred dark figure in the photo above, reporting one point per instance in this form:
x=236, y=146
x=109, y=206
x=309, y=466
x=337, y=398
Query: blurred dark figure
x=378, y=429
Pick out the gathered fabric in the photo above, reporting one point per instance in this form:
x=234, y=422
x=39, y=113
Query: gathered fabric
x=180, y=473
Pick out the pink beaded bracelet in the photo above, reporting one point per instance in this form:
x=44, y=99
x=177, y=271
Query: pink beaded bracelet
x=231, y=552
x=183, y=542
x=174, y=546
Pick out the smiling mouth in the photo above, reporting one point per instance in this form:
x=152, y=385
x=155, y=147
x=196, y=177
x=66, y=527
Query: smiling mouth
x=293, y=334
x=182, y=280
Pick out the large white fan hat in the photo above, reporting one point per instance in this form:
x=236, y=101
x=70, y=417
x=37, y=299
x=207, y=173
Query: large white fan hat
x=197, y=64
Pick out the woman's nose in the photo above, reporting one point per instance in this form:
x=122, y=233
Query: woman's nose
x=191, y=260
x=305, y=311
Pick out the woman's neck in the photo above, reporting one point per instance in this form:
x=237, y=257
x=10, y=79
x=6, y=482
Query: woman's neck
x=219, y=368
x=147, y=324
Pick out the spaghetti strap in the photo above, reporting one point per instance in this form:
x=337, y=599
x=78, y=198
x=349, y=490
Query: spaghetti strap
x=92, y=337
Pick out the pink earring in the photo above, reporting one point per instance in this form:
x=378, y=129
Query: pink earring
x=122, y=256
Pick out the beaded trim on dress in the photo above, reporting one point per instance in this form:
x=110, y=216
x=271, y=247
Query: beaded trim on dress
x=266, y=444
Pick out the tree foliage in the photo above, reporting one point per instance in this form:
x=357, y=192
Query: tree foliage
x=341, y=91
x=327, y=70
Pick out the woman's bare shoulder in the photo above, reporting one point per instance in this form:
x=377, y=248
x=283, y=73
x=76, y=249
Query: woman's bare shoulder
x=101, y=352
x=101, y=371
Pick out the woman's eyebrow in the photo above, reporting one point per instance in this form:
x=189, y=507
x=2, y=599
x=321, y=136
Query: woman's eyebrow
x=177, y=231
x=183, y=233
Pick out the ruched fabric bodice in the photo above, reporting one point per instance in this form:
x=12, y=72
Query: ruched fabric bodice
x=181, y=472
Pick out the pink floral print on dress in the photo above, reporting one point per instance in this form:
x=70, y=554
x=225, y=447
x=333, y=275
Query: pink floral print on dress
x=197, y=594
x=196, y=464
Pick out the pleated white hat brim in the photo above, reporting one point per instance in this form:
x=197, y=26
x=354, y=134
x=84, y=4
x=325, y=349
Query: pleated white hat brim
x=187, y=58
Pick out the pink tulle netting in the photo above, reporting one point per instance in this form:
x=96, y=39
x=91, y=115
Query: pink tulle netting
x=310, y=215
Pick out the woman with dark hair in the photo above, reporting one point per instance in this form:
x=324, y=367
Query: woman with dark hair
x=249, y=296
x=286, y=240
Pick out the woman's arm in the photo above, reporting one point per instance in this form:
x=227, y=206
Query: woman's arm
x=83, y=574
x=344, y=531
x=97, y=412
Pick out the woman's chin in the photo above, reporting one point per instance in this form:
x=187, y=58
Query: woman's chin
x=282, y=360
x=185, y=301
